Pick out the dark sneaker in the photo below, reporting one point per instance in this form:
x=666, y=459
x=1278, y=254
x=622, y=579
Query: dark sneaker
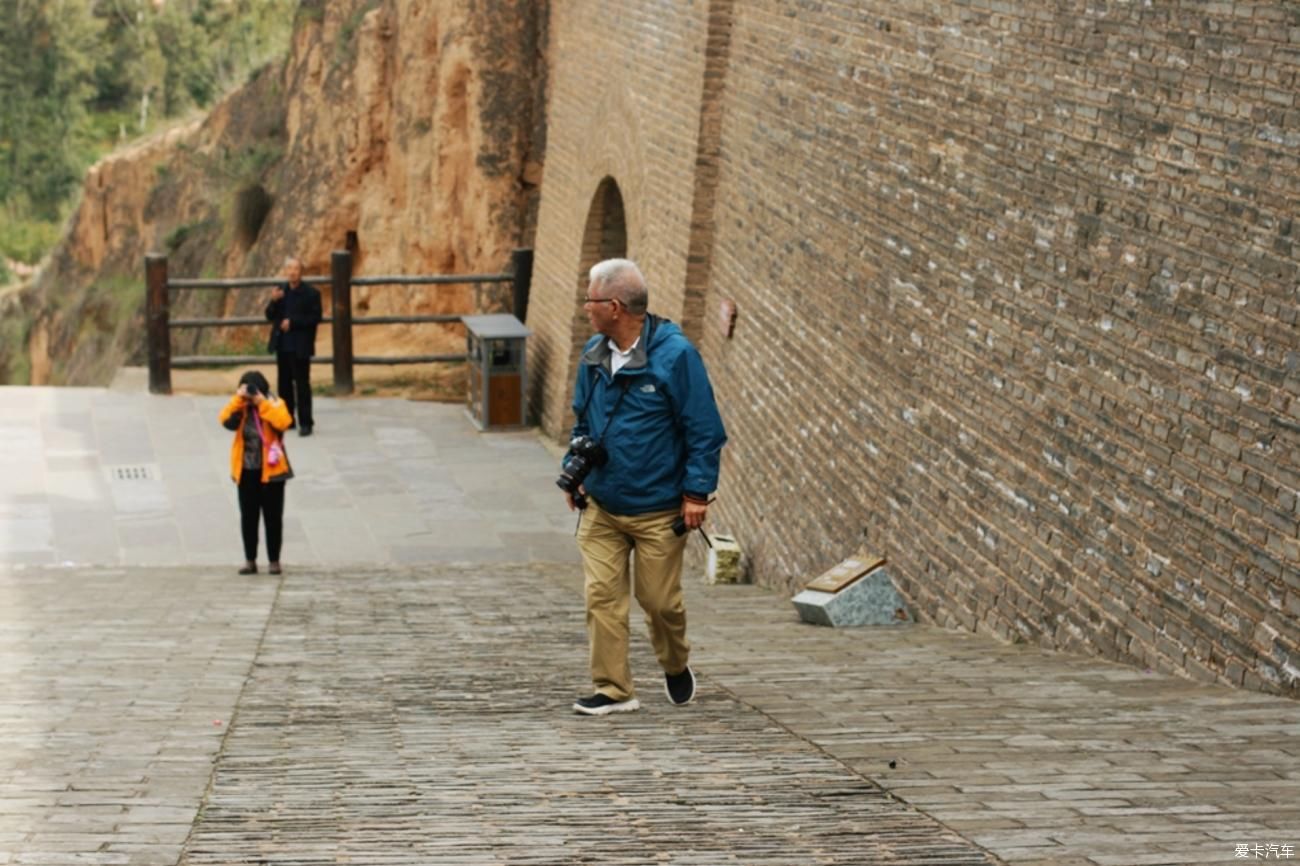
x=275, y=568
x=603, y=705
x=249, y=568
x=680, y=687
x=305, y=430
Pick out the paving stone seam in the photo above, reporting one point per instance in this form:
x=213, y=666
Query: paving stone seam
x=714, y=681
x=285, y=817
x=231, y=722
x=848, y=767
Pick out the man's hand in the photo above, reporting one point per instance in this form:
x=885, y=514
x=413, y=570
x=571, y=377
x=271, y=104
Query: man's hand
x=277, y=293
x=284, y=325
x=568, y=497
x=694, y=512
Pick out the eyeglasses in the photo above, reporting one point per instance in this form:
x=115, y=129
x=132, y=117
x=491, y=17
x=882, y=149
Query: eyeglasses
x=600, y=300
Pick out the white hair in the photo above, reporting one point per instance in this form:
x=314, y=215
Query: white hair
x=624, y=281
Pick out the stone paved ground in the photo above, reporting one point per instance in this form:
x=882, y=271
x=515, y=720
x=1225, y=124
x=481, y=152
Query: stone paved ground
x=390, y=713
x=382, y=481
x=1040, y=757
x=420, y=715
x=116, y=689
x=423, y=717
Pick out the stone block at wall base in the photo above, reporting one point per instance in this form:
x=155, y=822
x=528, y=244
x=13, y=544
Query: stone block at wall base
x=724, y=564
x=871, y=600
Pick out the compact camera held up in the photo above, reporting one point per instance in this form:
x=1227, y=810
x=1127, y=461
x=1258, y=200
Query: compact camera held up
x=585, y=454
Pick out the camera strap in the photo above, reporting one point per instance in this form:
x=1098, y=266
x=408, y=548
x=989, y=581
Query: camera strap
x=609, y=419
x=257, y=422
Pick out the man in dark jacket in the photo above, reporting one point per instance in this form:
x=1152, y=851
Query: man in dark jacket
x=294, y=312
x=643, y=394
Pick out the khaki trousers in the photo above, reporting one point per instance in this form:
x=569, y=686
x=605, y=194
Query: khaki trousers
x=607, y=542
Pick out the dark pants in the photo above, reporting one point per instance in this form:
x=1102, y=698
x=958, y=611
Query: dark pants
x=295, y=386
x=267, y=500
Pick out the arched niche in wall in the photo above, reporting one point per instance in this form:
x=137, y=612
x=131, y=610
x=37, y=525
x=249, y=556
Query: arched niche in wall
x=603, y=237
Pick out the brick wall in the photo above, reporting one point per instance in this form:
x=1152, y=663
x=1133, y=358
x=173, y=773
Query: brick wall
x=624, y=106
x=1017, y=288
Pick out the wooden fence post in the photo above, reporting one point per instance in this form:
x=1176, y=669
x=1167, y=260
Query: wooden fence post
x=341, y=278
x=157, y=317
x=521, y=262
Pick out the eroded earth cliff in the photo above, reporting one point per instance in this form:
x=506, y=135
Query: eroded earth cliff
x=411, y=129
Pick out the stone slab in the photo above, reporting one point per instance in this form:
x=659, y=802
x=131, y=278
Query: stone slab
x=868, y=600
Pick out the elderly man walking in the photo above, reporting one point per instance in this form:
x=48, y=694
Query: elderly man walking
x=644, y=397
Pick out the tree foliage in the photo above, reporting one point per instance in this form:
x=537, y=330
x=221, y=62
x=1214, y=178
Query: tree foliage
x=79, y=76
x=47, y=52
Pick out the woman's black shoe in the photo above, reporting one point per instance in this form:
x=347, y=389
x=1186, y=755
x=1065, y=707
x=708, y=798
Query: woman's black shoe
x=250, y=568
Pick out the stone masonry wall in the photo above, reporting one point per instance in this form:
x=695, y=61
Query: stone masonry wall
x=1017, y=292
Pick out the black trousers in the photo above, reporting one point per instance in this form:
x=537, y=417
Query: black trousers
x=264, y=500
x=294, y=386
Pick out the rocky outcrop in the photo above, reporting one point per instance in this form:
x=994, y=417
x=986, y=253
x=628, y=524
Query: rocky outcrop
x=411, y=128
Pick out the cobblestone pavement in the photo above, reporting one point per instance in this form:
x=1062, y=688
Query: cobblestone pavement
x=1040, y=757
x=419, y=713
x=423, y=717
x=116, y=689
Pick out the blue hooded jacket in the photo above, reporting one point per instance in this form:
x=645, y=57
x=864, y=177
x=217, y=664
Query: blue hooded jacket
x=664, y=437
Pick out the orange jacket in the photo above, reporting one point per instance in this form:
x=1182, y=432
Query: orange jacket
x=275, y=420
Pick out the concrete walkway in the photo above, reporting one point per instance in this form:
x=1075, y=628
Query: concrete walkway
x=403, y=697
x=94, y=476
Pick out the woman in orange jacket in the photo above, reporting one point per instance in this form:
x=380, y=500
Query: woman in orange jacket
x=258, y=464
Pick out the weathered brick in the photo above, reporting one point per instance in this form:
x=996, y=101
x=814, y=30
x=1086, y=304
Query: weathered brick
x=953, y=266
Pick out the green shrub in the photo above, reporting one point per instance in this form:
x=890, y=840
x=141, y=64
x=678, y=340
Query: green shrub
x=243, y=166
x=15, y=362
x=177, y=237
x=26, y=239
x=345, y=48
x=123, y=297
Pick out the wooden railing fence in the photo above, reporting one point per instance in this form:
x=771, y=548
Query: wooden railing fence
x=159, y=287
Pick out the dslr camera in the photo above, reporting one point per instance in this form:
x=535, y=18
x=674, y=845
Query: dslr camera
x=585, y=454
